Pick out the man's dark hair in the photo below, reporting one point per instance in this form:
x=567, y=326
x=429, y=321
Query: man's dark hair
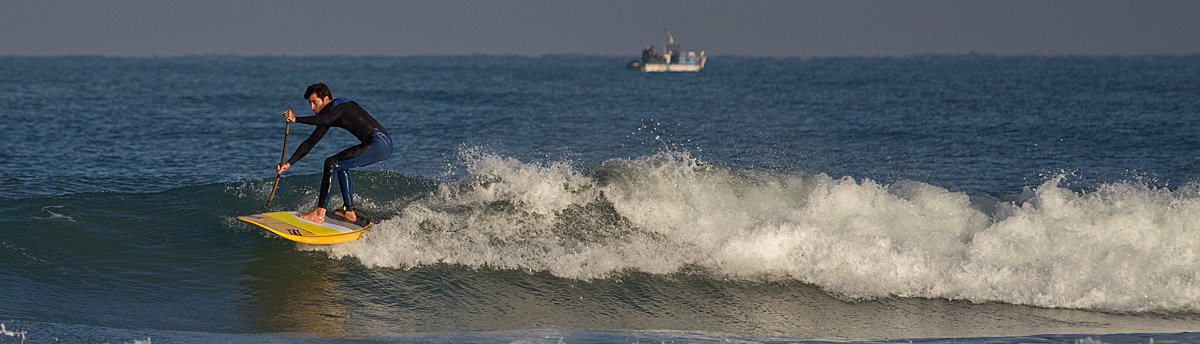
x=319, y=89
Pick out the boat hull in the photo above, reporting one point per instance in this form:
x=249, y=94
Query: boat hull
x=663, y=67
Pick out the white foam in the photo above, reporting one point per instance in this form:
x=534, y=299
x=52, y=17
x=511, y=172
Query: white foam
x=1123, y=247
x=56, y=216
x=14, y=334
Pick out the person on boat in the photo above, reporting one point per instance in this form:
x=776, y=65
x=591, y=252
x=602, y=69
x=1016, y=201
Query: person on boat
x=375, y=146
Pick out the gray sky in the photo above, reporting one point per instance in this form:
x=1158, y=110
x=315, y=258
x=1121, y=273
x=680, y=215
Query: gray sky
x=623, y=27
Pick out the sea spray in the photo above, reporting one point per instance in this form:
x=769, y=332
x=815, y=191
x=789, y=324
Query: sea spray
x=1124, y=247
x=14, y=334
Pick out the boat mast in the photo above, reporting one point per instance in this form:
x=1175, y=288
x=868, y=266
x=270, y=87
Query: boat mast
x=671, y=46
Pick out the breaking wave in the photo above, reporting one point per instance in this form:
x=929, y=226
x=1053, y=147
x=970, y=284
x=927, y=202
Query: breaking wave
x=1124, y=247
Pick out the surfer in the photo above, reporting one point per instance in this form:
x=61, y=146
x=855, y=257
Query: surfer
x=343, y=113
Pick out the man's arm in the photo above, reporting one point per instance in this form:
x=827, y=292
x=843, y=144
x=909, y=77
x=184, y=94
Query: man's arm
x=308, y=144
x=324, y=118
x=305, y=146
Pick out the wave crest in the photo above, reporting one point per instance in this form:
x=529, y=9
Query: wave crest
x=1123, y=247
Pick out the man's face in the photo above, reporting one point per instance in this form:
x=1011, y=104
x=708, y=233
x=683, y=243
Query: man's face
x=317, y=103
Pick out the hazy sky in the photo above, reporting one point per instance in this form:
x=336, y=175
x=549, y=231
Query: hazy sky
x=537, y=27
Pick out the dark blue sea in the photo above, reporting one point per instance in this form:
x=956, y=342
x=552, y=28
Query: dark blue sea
x=945, y=198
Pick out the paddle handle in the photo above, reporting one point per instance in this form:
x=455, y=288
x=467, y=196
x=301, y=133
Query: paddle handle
x=286, y=128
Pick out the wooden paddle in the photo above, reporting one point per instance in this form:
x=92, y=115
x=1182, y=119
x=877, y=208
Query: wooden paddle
x=286, y=128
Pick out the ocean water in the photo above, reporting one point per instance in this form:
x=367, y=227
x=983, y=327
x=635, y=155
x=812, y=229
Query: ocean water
x=969, y=199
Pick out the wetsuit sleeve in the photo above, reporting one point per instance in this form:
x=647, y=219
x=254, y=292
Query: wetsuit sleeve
x=308, y=143
x=325, y=118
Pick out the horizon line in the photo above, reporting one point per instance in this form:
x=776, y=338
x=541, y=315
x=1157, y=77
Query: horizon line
x=151, y=56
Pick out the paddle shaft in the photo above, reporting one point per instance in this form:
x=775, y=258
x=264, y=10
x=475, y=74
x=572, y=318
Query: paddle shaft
x=286, y=128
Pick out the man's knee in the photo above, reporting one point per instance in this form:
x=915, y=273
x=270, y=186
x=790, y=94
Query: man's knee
x=331, y=163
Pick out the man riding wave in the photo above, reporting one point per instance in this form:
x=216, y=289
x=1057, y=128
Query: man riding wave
x=375, y=146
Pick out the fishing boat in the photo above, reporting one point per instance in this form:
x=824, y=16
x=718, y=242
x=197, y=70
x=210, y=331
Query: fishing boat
x=670, y=59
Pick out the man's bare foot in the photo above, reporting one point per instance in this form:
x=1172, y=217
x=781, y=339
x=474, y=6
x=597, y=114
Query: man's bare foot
x=317, y=215
x=349, y=216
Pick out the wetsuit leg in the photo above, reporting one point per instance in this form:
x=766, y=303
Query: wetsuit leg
x=359, y=155
x=344, y=183
x=331, y=168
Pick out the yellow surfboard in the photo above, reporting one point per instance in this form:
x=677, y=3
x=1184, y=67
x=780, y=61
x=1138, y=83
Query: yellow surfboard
x=287, y=225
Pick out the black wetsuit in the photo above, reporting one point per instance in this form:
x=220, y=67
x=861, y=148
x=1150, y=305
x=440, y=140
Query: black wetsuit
x=346, y=114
